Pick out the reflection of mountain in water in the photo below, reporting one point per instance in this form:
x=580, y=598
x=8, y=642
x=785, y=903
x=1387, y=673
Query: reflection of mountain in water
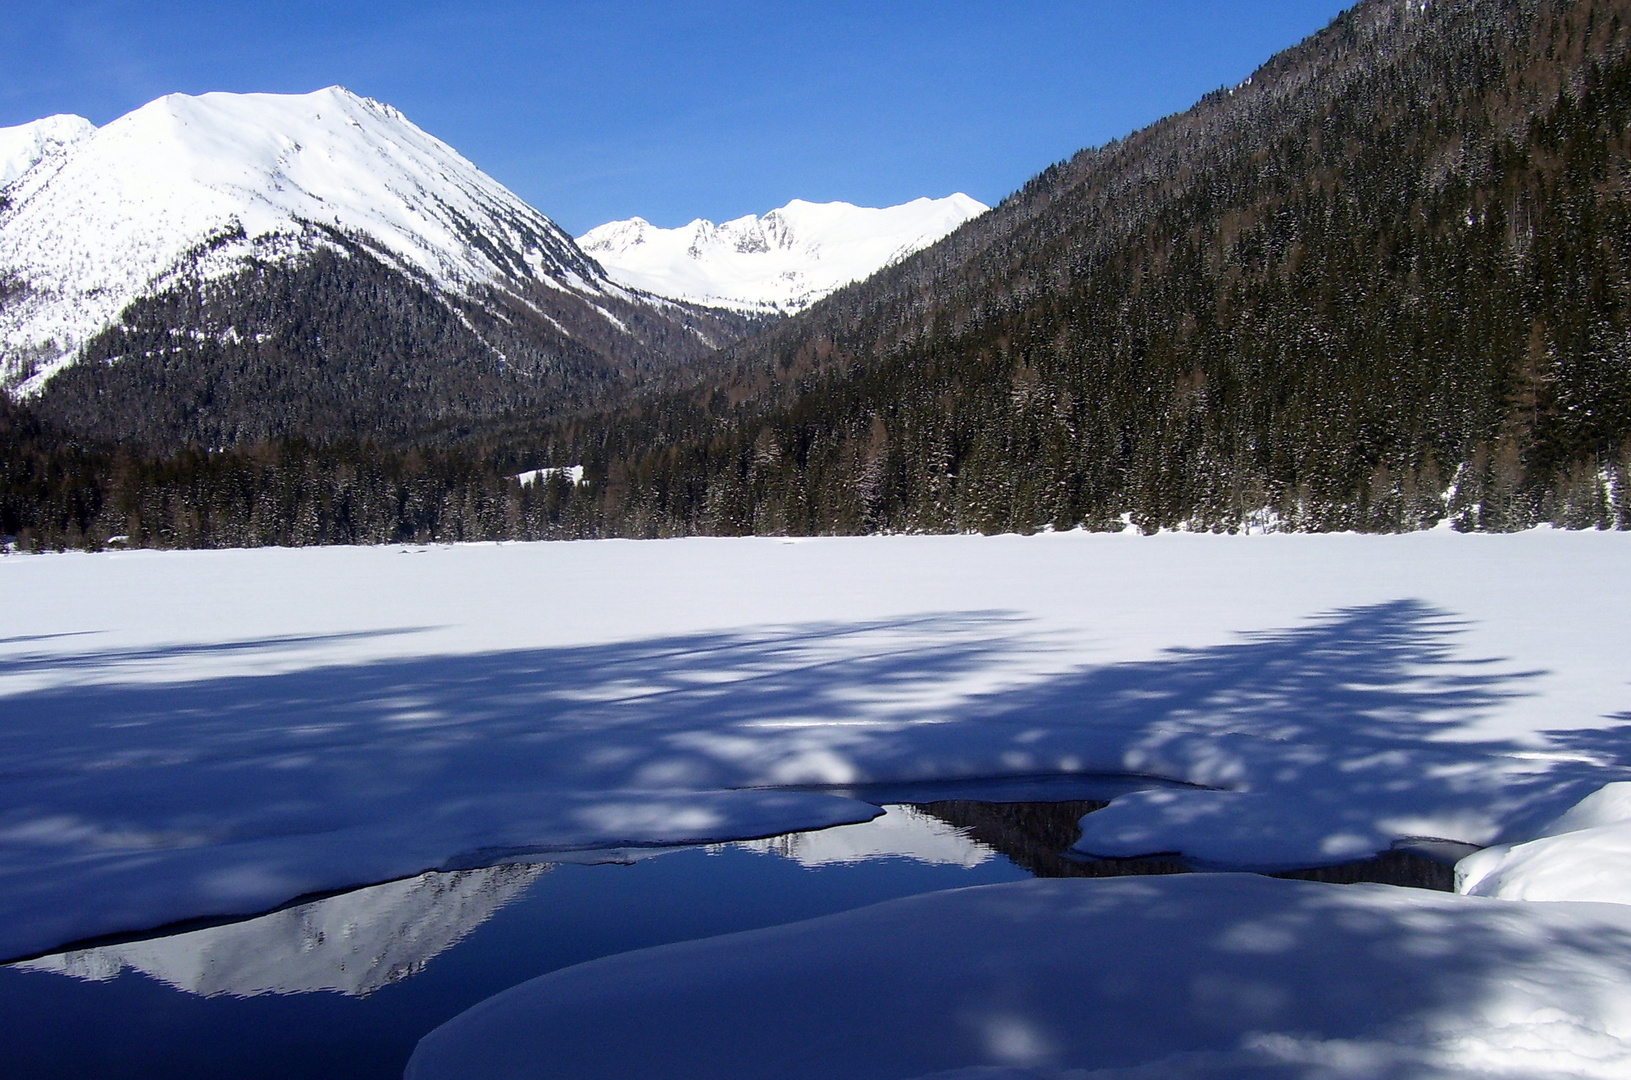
x=358, y=942
x=354, y=943
x=902, y=831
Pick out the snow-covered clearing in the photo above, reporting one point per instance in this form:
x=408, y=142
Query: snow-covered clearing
x=210, y=733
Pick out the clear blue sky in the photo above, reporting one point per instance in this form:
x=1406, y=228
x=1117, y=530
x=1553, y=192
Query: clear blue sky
x=673, y=109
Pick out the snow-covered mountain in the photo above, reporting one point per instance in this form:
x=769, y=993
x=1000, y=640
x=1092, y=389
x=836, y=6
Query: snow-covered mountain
x=21, y=148
x=199, y=188
x=781, y=262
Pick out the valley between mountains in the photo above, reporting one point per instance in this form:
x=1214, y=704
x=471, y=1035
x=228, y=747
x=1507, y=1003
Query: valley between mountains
x=1380, y=286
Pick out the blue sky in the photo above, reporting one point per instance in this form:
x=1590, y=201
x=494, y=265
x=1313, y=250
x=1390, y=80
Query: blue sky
x=674, y=109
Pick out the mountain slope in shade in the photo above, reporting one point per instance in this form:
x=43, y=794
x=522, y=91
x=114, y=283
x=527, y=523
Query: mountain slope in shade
x=784, y=261
x=22, y=147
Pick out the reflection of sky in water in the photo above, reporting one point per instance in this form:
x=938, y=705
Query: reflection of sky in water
x=248, y=1012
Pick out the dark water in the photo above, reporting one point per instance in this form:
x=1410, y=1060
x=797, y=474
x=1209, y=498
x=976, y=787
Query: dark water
x=344, y=987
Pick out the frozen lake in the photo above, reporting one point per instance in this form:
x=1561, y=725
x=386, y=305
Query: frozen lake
x=205, y=736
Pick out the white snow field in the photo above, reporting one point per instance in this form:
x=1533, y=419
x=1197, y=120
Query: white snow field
x=784, y=261
x=192, y=734
x=1207, y=975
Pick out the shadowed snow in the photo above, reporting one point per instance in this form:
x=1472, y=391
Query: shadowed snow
x=1206, y=975
x=207, y=734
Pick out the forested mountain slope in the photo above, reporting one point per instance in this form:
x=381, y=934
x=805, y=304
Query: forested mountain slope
x=1381, y=282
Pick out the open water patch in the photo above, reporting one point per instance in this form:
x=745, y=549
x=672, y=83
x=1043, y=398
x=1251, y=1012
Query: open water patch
x=346, y=985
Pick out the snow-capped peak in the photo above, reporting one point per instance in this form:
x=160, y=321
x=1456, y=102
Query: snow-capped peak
x=201, y=183
x=785, y=260
x=24, y=146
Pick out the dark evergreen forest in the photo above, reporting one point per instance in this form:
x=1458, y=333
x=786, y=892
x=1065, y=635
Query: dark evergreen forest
x=1383, y=284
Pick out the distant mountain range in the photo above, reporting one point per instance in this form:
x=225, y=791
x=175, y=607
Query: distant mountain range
x=781, y=262
x=21, y=148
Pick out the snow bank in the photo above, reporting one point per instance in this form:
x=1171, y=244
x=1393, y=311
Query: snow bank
x=1583, y=855
x=207, y=733
x=1191, y=976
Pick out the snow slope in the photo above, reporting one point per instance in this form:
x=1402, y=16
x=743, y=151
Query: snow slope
x=187, y=184
x=23, y=147
x=784, y=261
x=1216, y=976
x=208, y=733
x=1583, y=855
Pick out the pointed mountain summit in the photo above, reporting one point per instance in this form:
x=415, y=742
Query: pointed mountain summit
x=179, y=224
x=781, y=262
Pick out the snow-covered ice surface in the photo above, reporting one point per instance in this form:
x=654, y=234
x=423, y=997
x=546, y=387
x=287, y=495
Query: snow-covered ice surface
x=198, y=185
x=784, y=261
x=1211, y=975
x=208, y=733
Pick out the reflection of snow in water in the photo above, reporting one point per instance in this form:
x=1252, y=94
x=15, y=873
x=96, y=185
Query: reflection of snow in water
x=354, y=943
x=903, y=831
x=358, y=942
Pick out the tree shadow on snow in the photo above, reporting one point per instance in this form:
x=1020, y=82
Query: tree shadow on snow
x=1362, y=712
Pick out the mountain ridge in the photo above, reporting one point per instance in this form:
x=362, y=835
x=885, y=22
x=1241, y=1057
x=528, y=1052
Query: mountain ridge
x=782, y=261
